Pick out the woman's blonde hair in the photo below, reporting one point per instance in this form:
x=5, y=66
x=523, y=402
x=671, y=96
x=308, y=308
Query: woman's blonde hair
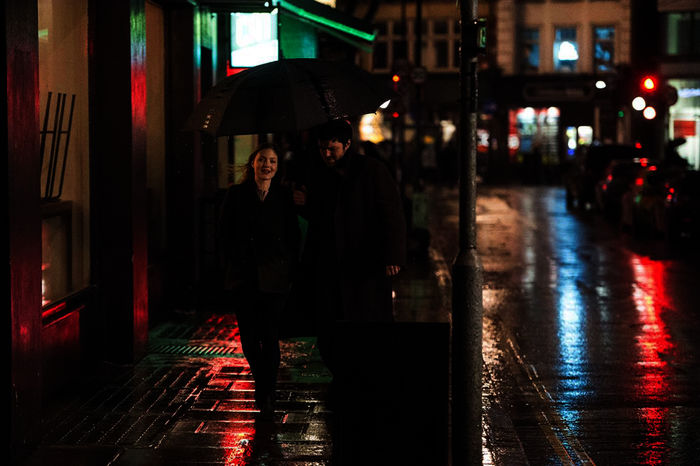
x=247, y=171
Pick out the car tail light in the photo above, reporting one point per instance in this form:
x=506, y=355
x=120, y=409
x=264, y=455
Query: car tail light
x=670, y=192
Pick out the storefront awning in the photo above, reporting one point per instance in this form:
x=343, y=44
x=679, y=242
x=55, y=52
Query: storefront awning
x=347, y=28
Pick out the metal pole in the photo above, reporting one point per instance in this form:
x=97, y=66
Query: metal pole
x=467, y=311
x=418, y=104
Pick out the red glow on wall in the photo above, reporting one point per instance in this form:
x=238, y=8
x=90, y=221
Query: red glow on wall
x=231, y=71
x=45, y=314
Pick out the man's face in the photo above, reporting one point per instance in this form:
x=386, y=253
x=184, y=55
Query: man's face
x=332, y=151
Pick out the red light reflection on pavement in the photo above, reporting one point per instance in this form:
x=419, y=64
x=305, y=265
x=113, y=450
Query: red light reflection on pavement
x=653, y=342
x=239, y=442
x=237, y=437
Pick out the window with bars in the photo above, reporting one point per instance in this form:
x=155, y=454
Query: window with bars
x=529, y=50
x=682, y=33
x=396, y=42
x=604, y=48
x=566, y=54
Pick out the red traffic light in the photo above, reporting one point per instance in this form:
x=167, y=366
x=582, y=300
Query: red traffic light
x=396, y=78
x=649, y=83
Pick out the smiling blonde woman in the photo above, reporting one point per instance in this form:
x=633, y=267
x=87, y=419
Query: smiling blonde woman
x=260, y=246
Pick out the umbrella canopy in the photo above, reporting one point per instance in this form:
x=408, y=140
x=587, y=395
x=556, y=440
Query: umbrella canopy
x=287, y=95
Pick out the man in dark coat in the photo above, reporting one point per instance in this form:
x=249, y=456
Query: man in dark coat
x=356, y=238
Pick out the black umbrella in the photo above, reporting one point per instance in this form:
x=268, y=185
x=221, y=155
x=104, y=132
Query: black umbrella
x=287, y=95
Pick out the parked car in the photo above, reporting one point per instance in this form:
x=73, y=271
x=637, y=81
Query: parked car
x=620, y=178
x=589, y=167
x=682, y=206
x=643, y=204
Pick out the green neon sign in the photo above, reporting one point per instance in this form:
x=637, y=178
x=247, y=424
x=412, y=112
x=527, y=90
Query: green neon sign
x=327, y=22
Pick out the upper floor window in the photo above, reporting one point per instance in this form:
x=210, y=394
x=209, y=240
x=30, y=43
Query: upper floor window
x=604, y=48
x=441, y=39
x=565, y=49
x=380, y=57
x=682, y=32
x=530, y=50
x=396, y=42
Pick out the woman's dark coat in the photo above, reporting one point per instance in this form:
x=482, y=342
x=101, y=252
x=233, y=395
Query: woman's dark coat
x=260, y=239
x=356, y=229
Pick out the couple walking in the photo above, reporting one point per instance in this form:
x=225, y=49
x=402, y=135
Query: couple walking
x=356, y=241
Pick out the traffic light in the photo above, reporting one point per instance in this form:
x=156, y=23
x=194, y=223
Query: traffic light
x=647, y=99
x=401, y=84
x=649, y=83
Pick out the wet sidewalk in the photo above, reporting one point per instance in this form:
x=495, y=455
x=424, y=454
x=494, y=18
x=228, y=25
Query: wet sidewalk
x=190, y=400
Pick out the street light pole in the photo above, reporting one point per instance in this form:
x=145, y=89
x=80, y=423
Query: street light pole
x=467, y=310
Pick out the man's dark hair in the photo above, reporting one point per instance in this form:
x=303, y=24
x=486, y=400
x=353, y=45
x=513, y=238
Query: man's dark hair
x=335, y=130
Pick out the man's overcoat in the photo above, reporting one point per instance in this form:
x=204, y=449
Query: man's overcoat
x=356, y=229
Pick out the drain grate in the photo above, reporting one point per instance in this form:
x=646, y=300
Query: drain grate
x=195, y=350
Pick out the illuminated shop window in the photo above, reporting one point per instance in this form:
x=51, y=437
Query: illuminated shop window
x=571, y=141
x=373, y=128
x=253, y=39
x=684, y=120
x=65, y=174
x=604, y=48
x=585, y=135
x=565, y=50
x=534, y=130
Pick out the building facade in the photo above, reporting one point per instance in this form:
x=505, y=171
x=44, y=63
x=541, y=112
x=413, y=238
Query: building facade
x=555, y=75
x=111, y=205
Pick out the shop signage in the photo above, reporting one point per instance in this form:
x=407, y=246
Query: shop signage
x=684, y=128
x=558, y=91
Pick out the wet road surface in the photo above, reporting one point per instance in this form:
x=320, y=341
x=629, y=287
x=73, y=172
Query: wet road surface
x=590, y=350
x=591, y=344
